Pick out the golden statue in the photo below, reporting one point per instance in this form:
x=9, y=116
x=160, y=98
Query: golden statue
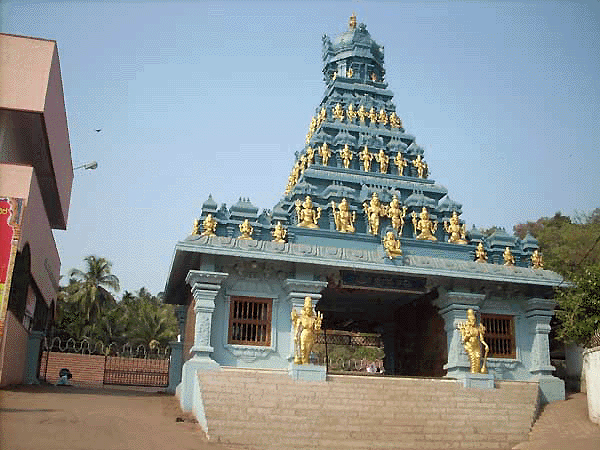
x=307, y=217
x=362, y=113
x=373, y=76
x=352, y=21
x=349, y=73
x=401, y=163
x=382, y=118
x=351, y=112
x=310, y=156
x=246, y=230
x=397, y=214
x=313, y=125
x=279, y=233
x=196, y=228
x=366, y=159
x=472, y=339
x=383, y=161
x=338, y=112
x=334, y=75
x=395, y=121
x=537, y=261
x=209, y=226
x=325, y=153
x=303, y=163
x=296, y=171
x=374, y=210
x=373, y=115
x=391, y=245
x=457, y=232
x=421, y=166
x=347, y=156
x=480, y=255
x=509, y=259
x=322, y=116
x=425, y=225
x=344, y=221
x=306, y=326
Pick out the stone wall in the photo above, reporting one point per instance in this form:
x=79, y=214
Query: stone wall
x=591, y=366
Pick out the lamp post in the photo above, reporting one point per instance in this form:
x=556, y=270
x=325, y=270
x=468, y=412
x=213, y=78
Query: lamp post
x=87, y=166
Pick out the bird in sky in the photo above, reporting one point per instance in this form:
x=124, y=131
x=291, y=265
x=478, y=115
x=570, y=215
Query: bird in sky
x=98, y=130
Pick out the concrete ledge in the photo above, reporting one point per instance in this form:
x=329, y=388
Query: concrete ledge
x=479, y=381
x=308, y=372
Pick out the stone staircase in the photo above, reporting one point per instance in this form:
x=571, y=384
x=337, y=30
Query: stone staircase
x=260, y=410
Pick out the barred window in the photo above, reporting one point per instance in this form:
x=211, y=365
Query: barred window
x=499, y=335
x=250, y=321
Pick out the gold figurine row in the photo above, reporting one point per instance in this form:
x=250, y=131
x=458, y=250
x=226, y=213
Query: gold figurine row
x=424, y=227
x=365, y=156
x=351, y=113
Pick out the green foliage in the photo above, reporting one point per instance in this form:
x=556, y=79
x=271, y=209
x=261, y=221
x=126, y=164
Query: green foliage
x=87, y=308
x=579, y=307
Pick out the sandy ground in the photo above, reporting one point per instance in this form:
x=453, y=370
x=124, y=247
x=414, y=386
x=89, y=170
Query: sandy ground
x=75, y=418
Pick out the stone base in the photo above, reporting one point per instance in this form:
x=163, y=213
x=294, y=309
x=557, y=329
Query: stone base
x=551, y=388
x=308, y=372
x=189, y=381
x=478, y=381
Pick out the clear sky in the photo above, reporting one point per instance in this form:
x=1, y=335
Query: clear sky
x=215, y=97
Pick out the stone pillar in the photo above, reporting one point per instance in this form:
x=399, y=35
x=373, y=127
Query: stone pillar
x=205, y=286
x=34, y=343
x=538, y=313
x=296, y=290
x=180, y=312
x=453, y=308
x=175, y=365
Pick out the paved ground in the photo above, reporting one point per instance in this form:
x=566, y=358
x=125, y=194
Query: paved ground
x=76, y=418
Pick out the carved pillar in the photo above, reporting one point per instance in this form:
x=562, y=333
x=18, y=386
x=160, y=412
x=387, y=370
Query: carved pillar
x=453, y=309
x=205, y=286
x=296, y=290
x=539, y=312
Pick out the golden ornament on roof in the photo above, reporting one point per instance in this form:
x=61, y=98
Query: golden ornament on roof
x=373, y=115
x=352, y=21
x=397, y=214
x=383, y=161
x=366, y=158
x=374, y=210
x=425, y=225
x=382, y=118
x=338, y=112
x=347, y=156
x=209, y=226
x=537, y=260
x=351, y=112
x=279, y=233
x=344, y=220
x=480, y=254
x=509, y=259
x=246, y=230
x=307, y=217
x=421, y=166
x=362, y=113
x=401, y=163
x=325, y=153
x=391, y=245
x=456, y=231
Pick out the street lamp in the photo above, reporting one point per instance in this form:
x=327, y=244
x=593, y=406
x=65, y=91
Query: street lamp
x=88, y=166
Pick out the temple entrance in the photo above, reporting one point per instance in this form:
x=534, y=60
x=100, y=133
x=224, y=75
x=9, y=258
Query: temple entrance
x=403, y=319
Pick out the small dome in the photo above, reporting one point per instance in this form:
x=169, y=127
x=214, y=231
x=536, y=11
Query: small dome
x=447, y=205
x=209, y=206
x=530, y=243
x=418, y=199
x=475, y=235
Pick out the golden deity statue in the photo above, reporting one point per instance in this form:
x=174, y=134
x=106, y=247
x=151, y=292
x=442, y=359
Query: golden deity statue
x=395, y=121
x=289, y=185
x=313, y=125
x=362, y=113
x=472, y=340
x=325, y=153
x=374, y=210
x=366, y=159
x=537, y=261
x=382, y=118
x=344, y=220
x=480, y=255
x=421, y=166
x=401, y=163
x=347, y=156
x=306, y=326
x=383, y=161
x=246, y=230
x=397, y=214
x=334, y=75
x=196, y=228
x=338, y=112
x=307, y=217
x=209, y=226
x=296, y=171
x=391, y=245
x=373, y=76
x=457, y=232
x=279, y=233
x=351, y=112
x=310, y=156
x=373, y=115
x=425, y=225
x=352, y=21
x=322, y=116
x=509, y=259
x=303, y=163
x=349, y=73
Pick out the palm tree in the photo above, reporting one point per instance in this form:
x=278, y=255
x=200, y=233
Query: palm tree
x=149, y=320
x=91, y=290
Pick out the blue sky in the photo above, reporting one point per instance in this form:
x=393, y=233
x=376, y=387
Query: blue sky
x=215, y=97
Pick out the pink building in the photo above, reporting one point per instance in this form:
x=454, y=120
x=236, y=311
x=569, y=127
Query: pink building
x=36, y=175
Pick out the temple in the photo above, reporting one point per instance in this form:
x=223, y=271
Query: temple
x=377, y=244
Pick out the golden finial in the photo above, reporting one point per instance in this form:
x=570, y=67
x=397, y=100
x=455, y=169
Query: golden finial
x=352, y=21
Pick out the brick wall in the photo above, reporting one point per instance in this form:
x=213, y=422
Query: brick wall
x=86, y=369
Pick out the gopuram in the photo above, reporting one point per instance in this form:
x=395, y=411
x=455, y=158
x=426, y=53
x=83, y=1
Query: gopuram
x=365, y=232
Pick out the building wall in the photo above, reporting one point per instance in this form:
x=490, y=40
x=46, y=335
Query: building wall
x=14, y=351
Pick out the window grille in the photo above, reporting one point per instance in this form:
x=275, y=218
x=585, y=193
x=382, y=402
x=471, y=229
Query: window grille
x=499, y=335
x=250, y=321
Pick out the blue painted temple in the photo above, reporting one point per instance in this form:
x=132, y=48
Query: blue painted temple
x=378, y=245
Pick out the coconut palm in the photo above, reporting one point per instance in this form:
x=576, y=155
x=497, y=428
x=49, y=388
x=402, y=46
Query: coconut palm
x=91, y=290
x=148, y=319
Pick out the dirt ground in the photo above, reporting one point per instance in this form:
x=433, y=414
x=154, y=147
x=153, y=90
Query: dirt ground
x=76, y=418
